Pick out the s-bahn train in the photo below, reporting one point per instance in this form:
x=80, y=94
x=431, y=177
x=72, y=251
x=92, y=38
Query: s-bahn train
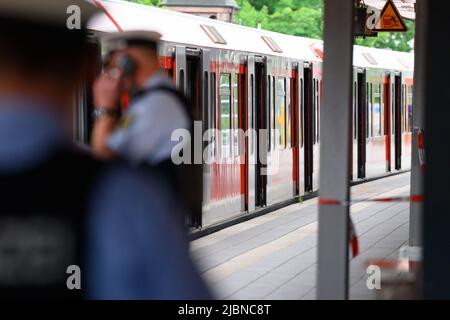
x=239, y=79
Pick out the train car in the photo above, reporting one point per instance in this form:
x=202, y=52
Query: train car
x=261, y=93
x=382, y=112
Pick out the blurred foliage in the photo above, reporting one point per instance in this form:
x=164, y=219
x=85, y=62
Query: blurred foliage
x=294, y=17
x=147, y=2
x=304, y=18
x=400, y=41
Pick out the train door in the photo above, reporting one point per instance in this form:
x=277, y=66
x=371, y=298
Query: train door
x=261, y=126
x=189, y=79
x=361, y=109
x=239, y=117
x=180, y=68
x=250, y=145
x=353, y=143
x=387, y=119
x=308, y=128
x=398, y=121
x=83, y=104
x=296, y=83
x=194, y=82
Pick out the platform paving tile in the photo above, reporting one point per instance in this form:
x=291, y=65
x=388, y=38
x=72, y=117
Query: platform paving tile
x=310, y=295
x=274, y=256
x=233, y=235
x=292, y=292
x=230, y=250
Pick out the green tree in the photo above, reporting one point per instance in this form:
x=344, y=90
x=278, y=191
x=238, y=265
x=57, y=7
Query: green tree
x=154, y=3
x=285, y=16
x=400, y=41
x=251, y=17
x=306, y=22
x=274, y=5
x=303, y=18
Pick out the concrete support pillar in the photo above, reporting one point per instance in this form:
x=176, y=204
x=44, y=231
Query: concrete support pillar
x=335, y=150
x=436, y=218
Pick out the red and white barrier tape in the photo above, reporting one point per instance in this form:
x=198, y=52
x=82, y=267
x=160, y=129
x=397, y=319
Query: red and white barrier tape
x=413, y=198
x=416, y=198
x=353, y=238
x=421, y=149
x=354, y=244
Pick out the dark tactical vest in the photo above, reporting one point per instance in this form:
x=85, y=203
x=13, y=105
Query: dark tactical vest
x=185, y=180
x=42, y=220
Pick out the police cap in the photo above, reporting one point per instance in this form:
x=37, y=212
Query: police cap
x=122, y=40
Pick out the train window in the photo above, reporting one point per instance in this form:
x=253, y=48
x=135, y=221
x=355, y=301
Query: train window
x=288, y=114
x=206, y=97
x=317, y=111
x=272, y=112
x=213, y=101
x=406, y=109
x=402, y=108
x=383, y=107
x=319, y=87
x=355, y=99
x=372, y=108
x=207, y=111
x=252, y=109
x=302, y=117
x=236, y=94
x=376, y=111
x=280, y=112
x=274, y=100
x=405, y=94
x=225, y=114
x=370, y=99
x=314, y=112
x=393, y=97
x=410, y=108
x=386, y=107
x=367, y=113
x=213, y=113
x=269, y=110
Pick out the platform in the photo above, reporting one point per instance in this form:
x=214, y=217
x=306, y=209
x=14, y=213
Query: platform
x=275, y=256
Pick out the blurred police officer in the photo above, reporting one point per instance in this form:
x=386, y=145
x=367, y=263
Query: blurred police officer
x=143, y=133
x=70, y=227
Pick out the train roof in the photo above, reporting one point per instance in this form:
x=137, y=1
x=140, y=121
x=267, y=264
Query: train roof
x=203, y=32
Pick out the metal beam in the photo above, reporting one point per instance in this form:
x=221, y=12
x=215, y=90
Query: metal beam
x=417, y=176
x=335, y=150
x=436, y=218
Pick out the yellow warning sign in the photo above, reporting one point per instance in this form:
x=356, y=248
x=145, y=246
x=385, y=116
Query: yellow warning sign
x=390, y=19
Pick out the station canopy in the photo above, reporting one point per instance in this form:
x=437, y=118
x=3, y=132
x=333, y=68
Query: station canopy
x=405, y=7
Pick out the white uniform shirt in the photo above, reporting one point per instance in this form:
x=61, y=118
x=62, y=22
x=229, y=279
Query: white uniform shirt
x=148, y=124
